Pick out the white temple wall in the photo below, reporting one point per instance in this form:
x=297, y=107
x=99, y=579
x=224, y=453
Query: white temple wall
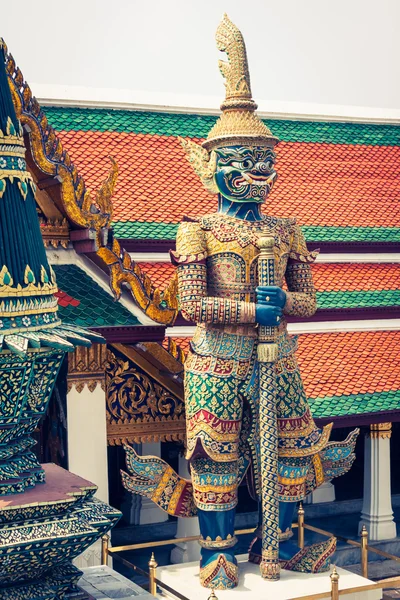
x=87, y=437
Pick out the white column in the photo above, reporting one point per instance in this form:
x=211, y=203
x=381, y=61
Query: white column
x=324, y=493
x=87, y=450
x=87, y=437
x=149, y=512
x=186, y=551
x=377, y=513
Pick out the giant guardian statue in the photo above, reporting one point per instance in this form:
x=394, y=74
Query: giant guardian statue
x=241, y=272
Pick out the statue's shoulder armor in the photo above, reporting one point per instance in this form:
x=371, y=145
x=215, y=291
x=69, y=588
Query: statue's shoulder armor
x=189, y=240
x=207, y=222
x=289, y=223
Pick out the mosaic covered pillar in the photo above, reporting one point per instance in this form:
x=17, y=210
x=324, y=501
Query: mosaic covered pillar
x=377, y=512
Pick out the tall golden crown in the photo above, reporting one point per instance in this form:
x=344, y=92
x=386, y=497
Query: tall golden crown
x=238, y=124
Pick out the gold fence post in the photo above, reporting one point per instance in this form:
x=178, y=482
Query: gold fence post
x=300, y=522
x=334, y=584
x=364, y=551
x=105, y=540
x=152, y=575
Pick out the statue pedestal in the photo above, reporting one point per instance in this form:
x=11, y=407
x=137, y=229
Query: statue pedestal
x=103, y=582
x=185, y=580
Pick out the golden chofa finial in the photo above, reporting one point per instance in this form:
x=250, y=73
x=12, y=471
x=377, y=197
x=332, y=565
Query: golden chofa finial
x=238, y=124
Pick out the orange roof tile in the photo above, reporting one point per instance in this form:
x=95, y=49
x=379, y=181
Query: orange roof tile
x=356, y=276
x=337, y=364
x=321, y=184
x=160, y=273
x=346, y=363
x=182, y=342
x=327, y=277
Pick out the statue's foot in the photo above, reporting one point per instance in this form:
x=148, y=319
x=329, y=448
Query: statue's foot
x=311, y=559
x=219, y=571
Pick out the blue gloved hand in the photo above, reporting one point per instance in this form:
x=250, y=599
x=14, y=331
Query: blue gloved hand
x=268, y=315
x=271, y=295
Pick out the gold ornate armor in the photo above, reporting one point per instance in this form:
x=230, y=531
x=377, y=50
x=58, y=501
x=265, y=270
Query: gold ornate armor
x=217, y=272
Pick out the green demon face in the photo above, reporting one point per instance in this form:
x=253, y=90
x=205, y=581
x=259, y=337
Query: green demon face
x=245, y=174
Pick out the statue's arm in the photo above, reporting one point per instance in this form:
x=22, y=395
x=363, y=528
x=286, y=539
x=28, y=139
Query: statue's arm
x=300, y=299
x=195, y=304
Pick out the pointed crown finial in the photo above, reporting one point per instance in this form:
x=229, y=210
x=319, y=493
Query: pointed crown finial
x=238, y=123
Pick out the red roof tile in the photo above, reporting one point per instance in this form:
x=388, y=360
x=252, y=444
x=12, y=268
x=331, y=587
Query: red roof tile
x=356, y=276
x=349, y=363
x=160, y=273
x=65, y=300
x=327, y=277
x=321, y=184
x=346, y=363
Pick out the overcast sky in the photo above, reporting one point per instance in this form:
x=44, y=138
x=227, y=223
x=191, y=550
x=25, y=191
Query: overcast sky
x=343, y=52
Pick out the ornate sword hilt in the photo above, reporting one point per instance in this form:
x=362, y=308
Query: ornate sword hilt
x=267, y=348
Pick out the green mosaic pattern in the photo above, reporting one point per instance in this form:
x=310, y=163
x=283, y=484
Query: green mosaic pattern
x=320, y=233
x=136, y=230
x=355, y=404
x=167, y=231
x=356, y=299
x=197, y=126
x=96, y=308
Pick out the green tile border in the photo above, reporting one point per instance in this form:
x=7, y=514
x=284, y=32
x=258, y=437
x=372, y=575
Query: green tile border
x=313, y=233
x=198, y=126
x=321, y=233
x=354, y=404
x=358, y=299
x=96, y=308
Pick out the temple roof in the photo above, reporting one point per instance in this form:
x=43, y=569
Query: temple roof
x=339, y=285
x=347, y=374
x=83, y=302
x=339, y=179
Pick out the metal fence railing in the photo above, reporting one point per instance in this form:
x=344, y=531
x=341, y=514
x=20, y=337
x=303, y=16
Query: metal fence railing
x=301, y=526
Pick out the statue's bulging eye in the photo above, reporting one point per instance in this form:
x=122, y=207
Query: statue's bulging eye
x=245, y=164
x=236, y=164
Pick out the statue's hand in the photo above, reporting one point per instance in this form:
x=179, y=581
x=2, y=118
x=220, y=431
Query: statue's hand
x=268, y=315
x=271, y=295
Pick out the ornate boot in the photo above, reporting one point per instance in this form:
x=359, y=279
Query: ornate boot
x=311, y=559
x=218, y=565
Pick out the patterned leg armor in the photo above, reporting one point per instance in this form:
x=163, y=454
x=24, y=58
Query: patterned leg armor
x=311, y=559
x=215, y=494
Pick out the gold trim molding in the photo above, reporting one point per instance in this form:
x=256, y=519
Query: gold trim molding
x=86, y=366
x=381, y=430
x=143, y=404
